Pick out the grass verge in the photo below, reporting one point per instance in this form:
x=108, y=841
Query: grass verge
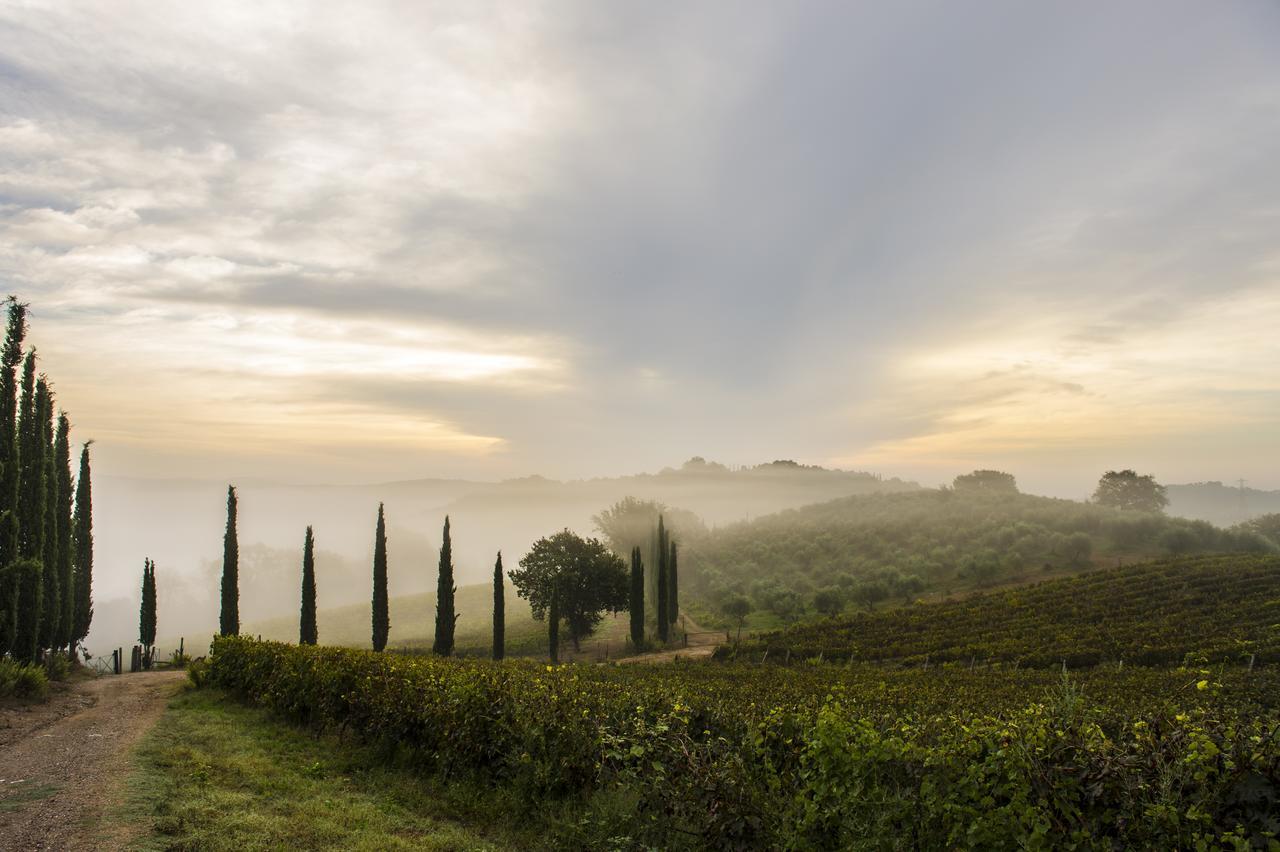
x=214, y=774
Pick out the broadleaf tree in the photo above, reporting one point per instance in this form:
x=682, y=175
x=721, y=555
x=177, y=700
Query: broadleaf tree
x=582, y=577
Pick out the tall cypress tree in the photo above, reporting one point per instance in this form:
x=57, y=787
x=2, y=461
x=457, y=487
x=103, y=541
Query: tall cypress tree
x=82, y=545
x=637, y=599
x=673, y=584
x=553, y=630
x=499, y=611
x=10, y=577
x=307, y=634
x=664, y=596
x=446, y=618
x=147, y=611
x=63, y=531
x=31, y=506
x=229, y=618
x=51, y=602
x=381, y=604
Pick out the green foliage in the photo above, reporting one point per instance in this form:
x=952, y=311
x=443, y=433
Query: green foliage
x=22, y=680
x=829, y=601
x=381, y=603
x=446, y=616
x=50, y=577
x=581, y=576
x=10, y=358
x=229, y=615
x=673, y=583
x=82, y=543
x=56, y=666
x=815, y=757
x=26, y=644
x=988, y=481
x=307, y=632
x=1125, y=489
x=951, y=540
x=499, y=611
x=663, y=605
x=66, y=556
x=630, y=523
x=553, y=629
x=147, y=610
x=1226, y=608
x=636, y=599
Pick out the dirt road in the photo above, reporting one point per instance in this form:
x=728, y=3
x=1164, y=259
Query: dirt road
x=61, y=763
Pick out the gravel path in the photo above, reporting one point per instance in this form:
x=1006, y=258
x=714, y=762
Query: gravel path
x=62, y=762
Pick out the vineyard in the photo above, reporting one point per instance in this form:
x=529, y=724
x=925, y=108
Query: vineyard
x=857, y=756
x=1220, y=608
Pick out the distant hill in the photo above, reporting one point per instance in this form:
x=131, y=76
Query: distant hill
x=1220, y=504
x=1224, y=608
x=947, y=540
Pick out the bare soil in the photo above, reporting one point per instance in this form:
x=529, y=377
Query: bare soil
x=62, y=761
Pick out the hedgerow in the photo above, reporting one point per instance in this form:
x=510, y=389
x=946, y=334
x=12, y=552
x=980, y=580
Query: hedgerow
x=732, y=756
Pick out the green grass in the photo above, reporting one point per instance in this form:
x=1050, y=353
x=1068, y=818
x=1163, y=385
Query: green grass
x=214, y=775
x=413, y=619
x=413, y=626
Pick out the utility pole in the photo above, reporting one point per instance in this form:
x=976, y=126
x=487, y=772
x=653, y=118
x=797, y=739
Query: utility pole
x=1244, y=510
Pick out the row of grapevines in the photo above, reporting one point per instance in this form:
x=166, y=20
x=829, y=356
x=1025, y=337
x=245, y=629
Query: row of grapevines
x=1226, y=608
x=735, y=756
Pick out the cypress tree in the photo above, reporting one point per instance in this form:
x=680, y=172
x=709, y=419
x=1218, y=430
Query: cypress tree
x=31, y=505
x=82, y=545
x=26, y=645
x=673, y=585
x=637, y=599
x=147, y=611
x=553, y=630
x=51, y=604
x=499, y=611
x=446, y=618
x=62, y=531
x=664, y=595
x=229, y=618
x=10, y=576
x=381, y=605
x=307, y=627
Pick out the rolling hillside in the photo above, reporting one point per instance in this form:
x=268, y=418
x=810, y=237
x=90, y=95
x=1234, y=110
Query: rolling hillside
x=948, y=541
x=1217, y=608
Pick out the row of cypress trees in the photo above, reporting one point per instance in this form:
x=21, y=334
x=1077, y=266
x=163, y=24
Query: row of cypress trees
x=308, y=632
x=46, y=545
x=666, y=587
x=667, y=604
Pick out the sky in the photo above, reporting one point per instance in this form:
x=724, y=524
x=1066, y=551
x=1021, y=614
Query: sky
x=314, y=242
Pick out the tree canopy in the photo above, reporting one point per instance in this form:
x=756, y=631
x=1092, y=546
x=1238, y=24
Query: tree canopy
x=583, y=576
x=1125, y=489
x=990, y=481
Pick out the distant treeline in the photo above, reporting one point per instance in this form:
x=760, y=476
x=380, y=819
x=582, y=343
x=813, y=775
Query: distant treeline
x=46, y=546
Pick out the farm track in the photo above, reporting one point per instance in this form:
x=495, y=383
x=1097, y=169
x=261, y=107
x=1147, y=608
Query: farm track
x=61, y=763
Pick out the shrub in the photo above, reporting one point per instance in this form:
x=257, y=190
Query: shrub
x=22, y=680
x=56, y=666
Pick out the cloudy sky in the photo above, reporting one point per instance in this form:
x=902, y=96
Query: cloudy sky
x=295, y=241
